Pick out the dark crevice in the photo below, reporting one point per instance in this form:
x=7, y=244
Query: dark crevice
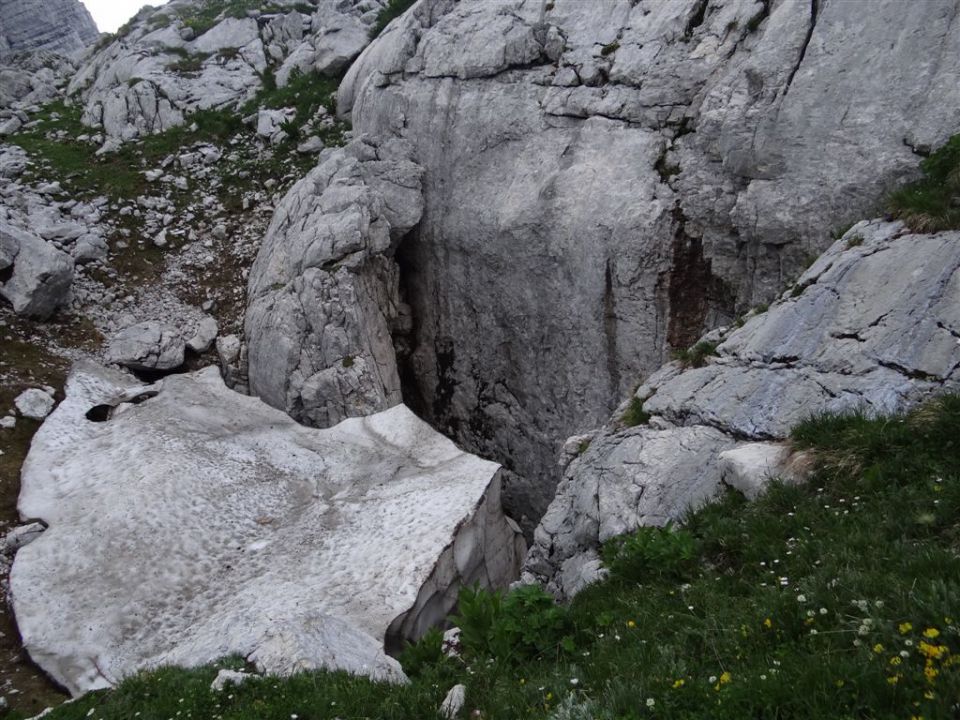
x=610, y=330
x=6, y=274
x=814, y=8
x=692, y=288
x=696, y=18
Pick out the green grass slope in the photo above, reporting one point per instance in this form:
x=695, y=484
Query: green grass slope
x=836, y=599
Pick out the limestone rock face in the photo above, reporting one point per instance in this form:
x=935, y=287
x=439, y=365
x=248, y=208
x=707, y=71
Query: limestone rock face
x=192, y=522
x=606, y=180
x=873, y=324
x=58, y=25
x=160, y=71
x=323, y=297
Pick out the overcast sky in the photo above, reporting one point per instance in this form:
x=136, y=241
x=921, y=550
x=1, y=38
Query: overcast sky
x=111, y=14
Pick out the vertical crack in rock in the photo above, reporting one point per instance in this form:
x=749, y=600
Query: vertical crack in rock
x=814, y=9
x=610, y=329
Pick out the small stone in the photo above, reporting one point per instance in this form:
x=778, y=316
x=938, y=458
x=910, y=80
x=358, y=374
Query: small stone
x=228, y=676
x=228, y=348
x=21, y=536
x=204, y=336
x=34, y=404
x=8, y=422
x=454, y=702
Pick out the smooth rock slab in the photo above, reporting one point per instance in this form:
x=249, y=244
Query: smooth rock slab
x=199, y=523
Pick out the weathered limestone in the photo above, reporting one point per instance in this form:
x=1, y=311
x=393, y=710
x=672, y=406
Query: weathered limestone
x=59, y=25
x=159, y=72
x=604, y=181
x=192, y=522
x=323, y=296
x=874, y=324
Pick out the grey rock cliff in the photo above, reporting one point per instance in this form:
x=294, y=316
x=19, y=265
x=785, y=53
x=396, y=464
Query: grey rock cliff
x=606, y=180
x=59, y=25
x=874, y=324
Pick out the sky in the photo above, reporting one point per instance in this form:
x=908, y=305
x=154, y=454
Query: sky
x=111, y=14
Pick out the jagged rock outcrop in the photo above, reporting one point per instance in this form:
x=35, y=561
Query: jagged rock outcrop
x=604, y=181
x=59, y=25
x=874, y=324
x=161, y=69
x=324, y=296
x=188, y=522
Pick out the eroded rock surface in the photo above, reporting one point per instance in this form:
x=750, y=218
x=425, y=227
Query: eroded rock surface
x=192, y=522
x=604, y=181
x=874, y=324
x=35, y=276
x=324, y=292
x=59, y=25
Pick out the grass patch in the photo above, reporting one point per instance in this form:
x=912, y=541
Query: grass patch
x=393, y=10
x=932, y=204
x=635, y=414
x=835, y=599
x=697, y=355
x=609, y=48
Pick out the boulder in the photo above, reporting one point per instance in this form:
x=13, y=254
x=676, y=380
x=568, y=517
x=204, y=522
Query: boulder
x=873, y=325
x=324, y=299
x=202, y=523
x=205, y=334
x=147, y=346
x=35, y=277
x=34, y=403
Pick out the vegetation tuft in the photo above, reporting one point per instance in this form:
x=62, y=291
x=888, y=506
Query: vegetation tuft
x=839, y=598
x=635, y=414
x=392, y=10
x=697, y=355
x=932, y=203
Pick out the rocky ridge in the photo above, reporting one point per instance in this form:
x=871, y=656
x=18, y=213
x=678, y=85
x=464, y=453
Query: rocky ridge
x=831, y=343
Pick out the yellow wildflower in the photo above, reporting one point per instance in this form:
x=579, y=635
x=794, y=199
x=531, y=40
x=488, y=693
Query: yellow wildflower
x=905, y=627
x=928, y=694
x=930, y=673
x=678, y=683
x=549, y=696
x=878, y=648
x=931, y=633
x=893, y=679
x=934, y=652
x=631, y=624
x=725, y=677
x=895, y=660
x=839, y=683
x=916, y=717
x=768, y=623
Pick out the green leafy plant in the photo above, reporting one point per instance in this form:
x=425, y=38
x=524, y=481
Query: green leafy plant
x=651, y=553
x=932, y=203
x=635, y=414
x=523, y=624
